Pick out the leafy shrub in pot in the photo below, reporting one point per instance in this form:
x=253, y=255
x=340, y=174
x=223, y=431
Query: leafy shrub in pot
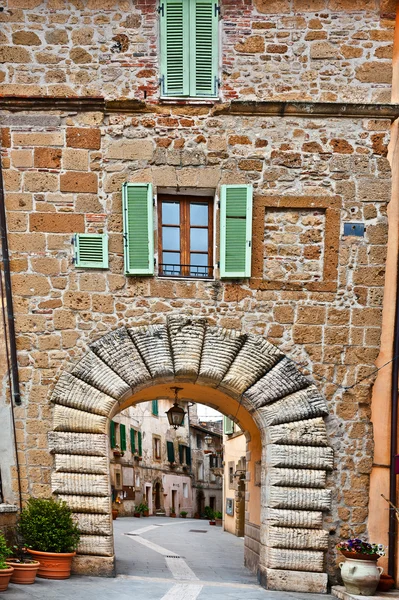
x=5, y=570
x=25, y=568
x=49, y=531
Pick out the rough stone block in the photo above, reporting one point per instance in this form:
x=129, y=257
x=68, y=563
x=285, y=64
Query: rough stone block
x=310, y=457
x=96, y=566
x=94, y=524
x=310, y=433
x=130, y=150
x=301, y=405
x=186, y=338
x=294, y=518
x=256, y=357
x=295, y=538
x=70, y=419
x=297, y=498
x=67, y=463
x=295, y=560
x=296, y=477
x=119, y=352
x=88, y=504
x=96, y=373
x=221, y=346
x=76, y=181
x=153, y=345
x=99, y=545
x=283, y=379
x=83, y=137
x=75, y=393
x=84, y=444
x=294, y=581
x=57, y=222
x=80, y=484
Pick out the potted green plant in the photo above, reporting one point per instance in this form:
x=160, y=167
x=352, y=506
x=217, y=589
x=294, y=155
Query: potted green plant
x=5, y=570
x=25, y=568
x=218, y=518
x=145, y=510
x=360, y=572
x=50, y=535
x=172, y=513
x=183, y=514
x=210, y=514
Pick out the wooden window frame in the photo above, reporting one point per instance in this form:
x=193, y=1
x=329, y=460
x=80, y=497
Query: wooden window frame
x=185, y=227
x=155, y=439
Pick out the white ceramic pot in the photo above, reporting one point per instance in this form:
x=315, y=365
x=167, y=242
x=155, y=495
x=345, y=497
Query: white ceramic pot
x=360, y=577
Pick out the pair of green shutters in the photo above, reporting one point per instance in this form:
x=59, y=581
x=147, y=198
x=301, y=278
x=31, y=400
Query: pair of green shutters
x=184, y=453
x=235, y=230
x=189, y=48
x=122, y=435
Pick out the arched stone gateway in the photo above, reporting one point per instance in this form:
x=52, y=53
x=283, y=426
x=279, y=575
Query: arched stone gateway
x=255, y=379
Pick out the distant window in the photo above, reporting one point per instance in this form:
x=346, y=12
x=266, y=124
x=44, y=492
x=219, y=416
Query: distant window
x=200, y=471
x=157, y=448
x=199, y=442
x=154, y=408
x=185, y=490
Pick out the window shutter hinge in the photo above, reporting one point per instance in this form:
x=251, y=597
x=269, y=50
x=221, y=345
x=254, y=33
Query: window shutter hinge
x=218, y=265
x=217, y=84
x=217, y=10
x=153, y=201
x=161, y=9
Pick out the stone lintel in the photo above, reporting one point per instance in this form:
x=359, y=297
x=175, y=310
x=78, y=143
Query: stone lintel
x=307, y=110
x=293, y=581
x=96, y=566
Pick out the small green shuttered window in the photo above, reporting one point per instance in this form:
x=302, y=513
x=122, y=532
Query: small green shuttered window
x=189, y=48
x=181, y=454
x=170, y=451
x=140, y=443
x=155, y=407
x=133, y=440
x=228, y=426
x=188, y=456
x=235, y=231
x=122, y=431
x=138, y=228
x=112, y=435
x=91, y=250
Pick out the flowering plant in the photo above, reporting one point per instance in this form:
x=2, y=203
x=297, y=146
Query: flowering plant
x=361, y=547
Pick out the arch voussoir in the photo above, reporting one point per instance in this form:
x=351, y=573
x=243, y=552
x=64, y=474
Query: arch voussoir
x=74, y=393
x=153, y=344
x=220, y=348
x=71, y=419
x=310, y=432
x=186, y=337
x=93, y=371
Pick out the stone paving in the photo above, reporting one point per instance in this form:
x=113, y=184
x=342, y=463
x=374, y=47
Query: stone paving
x=165, y=559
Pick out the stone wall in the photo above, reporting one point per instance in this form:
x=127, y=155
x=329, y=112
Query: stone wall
x=281, y=49
x=63, y=174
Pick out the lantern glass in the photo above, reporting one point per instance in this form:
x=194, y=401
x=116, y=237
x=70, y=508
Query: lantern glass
x=208, y=440
x=175, y=416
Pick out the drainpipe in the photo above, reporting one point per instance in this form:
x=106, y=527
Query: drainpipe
x=394, y=435
x=7, y=281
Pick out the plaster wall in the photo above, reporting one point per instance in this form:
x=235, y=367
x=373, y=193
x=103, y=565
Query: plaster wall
x=234, y=450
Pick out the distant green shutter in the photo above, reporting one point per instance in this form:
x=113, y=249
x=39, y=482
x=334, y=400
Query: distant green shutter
x=122, y=431
x=235, y=231
x=140, y=443
x=188, y=456
x=138, y=228
x=133, y=440
x=155, y=407
x=228, y=426
x=112, y=435
x=181, y=453
x=171, y=451
x=175, y=48
x=91, y=250
x=204, y=24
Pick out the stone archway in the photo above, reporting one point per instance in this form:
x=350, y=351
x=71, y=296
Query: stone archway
x=286, y=407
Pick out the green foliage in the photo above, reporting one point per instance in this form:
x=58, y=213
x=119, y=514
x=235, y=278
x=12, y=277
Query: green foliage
x=141, y=508
x=218, y=515
x=209, y=513
x=47, y=525
x=4, y=552
x=183, y=513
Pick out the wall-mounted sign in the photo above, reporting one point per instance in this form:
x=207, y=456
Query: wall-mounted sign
x=230, y=506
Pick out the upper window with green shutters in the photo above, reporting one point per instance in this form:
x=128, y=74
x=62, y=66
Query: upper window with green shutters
x=189, y=47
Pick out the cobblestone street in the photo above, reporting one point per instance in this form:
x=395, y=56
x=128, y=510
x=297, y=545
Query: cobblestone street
x=165, y=559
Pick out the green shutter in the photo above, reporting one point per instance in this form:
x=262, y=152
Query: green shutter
x=171, y=451
x=140, y=443
x=155, y=407
x=133, y=440
x=228, y=426
x=175, y=48
x=122, y=431
x=112, y=435
x=235, y=231
x=138, y=228
x=91, y=250
x=188, y=456
x=204, y=24
x=181, y=453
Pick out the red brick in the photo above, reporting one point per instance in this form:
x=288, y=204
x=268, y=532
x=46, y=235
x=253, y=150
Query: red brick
x=83, y=137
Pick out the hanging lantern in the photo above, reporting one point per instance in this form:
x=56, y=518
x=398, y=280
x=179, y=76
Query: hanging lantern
x=176, y=413
x=208, y=439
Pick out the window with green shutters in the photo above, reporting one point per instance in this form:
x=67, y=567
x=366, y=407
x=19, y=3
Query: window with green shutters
x=235, y=231
x=228, y=426
x=181, y=453
x=188, y=456
x=154, y=407
x=112, y=434
x=189, y=48
x=140, y=443
x=138, y=228
x=122, y=433
x=133, y=441
x=91, y=250
x=170, y=451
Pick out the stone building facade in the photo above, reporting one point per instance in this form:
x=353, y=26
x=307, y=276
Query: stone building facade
x=303, y=115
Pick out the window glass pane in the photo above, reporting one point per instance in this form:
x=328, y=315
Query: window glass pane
x=198, y=259
x=198, y=240
x=198, y=214
x=199, y=265
x=171, y=238
x=171, y=213
x=171, y=263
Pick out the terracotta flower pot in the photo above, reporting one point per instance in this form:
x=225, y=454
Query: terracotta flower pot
x=24, y=573
x=53, y=565
x=137, y=515
x=386, y=583
x=5, y=576
x=359, y=555
x=212, y=522
x=173, y=515
x=115, y=513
